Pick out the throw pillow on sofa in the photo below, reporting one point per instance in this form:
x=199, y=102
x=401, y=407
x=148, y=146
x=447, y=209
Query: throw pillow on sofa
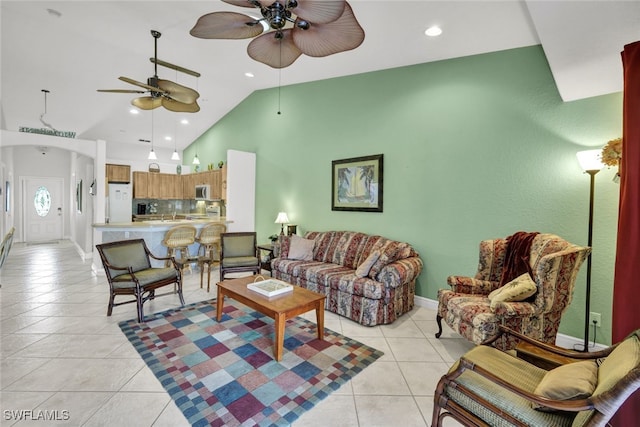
x=363, y=269
x=300, y=248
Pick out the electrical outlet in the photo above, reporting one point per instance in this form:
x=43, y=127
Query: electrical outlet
x=595, y=318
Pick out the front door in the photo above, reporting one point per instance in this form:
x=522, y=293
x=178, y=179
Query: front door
x=42, y=202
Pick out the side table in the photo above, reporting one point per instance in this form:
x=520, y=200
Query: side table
x=541, y=358
x=268, y=248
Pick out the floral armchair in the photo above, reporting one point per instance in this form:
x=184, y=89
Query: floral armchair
x=552, y=264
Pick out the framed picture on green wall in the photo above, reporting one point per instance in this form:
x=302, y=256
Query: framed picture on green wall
x=356, y=184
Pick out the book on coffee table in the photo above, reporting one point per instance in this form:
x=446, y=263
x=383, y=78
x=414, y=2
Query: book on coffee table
x=270, y=287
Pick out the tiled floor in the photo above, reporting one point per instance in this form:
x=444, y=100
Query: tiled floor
x=60, y=352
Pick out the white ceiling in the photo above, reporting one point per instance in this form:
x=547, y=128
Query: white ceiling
x=92, y=43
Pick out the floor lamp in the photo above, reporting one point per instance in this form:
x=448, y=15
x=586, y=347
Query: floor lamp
x=590, y=162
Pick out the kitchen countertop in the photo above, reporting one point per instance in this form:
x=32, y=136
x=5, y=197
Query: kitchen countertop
x=158, y=223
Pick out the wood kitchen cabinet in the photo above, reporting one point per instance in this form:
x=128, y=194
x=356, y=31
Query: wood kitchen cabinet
x=165, y=186
x=118, y=173
x=188, y=186
x=141, y=185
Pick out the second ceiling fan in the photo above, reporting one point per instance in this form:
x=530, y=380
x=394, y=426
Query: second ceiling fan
x=162, y=93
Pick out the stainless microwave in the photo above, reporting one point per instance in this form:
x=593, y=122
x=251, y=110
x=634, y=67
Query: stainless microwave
x=203, y=192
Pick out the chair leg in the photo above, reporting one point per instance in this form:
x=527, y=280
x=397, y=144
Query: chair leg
x=139, y=304
x=180, y=293
x=110, y=306
x=439, y=322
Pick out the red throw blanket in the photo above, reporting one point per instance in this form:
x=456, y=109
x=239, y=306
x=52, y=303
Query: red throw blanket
x=516, y=260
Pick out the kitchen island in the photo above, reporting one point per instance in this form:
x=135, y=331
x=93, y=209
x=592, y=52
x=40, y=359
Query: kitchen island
x=151, y=231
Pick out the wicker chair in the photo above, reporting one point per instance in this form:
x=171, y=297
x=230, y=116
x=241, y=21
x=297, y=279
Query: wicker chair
x=466, y=307
x=489, y=387
x=127, y=264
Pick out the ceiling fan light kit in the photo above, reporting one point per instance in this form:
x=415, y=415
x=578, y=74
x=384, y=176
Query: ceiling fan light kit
x=162, y=93
x=315, y=28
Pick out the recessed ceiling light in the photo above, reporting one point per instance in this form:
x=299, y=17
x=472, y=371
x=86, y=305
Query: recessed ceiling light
x=134, y=111
x=433, y=31
x=249, y=74
x=167, y=138
x=184, y=121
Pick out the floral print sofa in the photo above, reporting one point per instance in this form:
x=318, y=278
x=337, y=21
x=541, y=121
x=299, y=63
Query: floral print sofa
x=380, y=297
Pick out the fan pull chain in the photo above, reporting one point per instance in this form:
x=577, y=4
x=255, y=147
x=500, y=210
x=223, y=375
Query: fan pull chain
x=280, y=78
x=279, y=87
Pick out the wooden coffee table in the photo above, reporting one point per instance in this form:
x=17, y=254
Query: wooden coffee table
x=279, y=308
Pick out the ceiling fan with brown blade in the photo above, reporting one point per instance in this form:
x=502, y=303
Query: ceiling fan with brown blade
x=165, y=93
x=313, y=27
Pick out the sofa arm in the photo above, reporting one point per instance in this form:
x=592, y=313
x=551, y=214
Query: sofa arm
x=470, y=285
x=401, y=271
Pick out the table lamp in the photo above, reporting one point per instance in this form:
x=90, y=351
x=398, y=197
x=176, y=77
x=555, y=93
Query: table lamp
x=282, y=219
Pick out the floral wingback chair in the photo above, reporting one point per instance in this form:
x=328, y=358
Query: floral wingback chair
x=472, y=309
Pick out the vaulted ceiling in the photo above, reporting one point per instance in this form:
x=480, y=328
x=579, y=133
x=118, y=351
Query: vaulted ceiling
x=73, y=48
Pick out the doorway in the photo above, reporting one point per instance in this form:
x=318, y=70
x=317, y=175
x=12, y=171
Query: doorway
x=42, y=200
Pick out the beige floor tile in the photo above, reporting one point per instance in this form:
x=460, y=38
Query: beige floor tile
x=404, y=327
x=386, y=411
x=79, y=375
x=380, y=378
x=12, y=369
x=14, y=324
x=10, y=344
x=450, y=349
x=70, y=346
x=413, y=350
x=130, y=409
x=144, y=381
x=423, y=377
x=69, y=408
x=336, y=411
x=17, y=401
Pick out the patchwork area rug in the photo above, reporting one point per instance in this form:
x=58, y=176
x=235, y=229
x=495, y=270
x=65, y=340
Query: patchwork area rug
x=224, y=374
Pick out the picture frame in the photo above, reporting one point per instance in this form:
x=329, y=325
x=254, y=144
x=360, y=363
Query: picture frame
x=357, y=184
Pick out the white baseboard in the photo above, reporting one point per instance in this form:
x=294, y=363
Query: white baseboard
x=562, y=340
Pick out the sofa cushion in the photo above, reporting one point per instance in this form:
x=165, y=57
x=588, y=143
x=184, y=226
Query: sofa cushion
x=519, y=289
x=300, y=248
x=571, y=381
x=364, y=268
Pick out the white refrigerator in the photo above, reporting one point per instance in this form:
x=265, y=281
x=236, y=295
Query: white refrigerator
x=119, y=203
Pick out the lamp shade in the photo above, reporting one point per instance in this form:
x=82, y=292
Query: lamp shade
x=152, y=155
x=590, y=160
x=175, y=155
x=196, y=160
x=282, y=218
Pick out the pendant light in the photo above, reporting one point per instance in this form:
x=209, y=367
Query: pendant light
x=196, y=160
x=152, y=154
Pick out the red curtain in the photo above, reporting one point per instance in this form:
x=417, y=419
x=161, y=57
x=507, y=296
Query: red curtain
x=626, y=307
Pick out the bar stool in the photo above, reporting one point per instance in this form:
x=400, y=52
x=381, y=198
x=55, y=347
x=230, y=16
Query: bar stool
x=177, y=240
x=209, y=240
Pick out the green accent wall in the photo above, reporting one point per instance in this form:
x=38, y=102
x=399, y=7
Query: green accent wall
x=474, y=148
